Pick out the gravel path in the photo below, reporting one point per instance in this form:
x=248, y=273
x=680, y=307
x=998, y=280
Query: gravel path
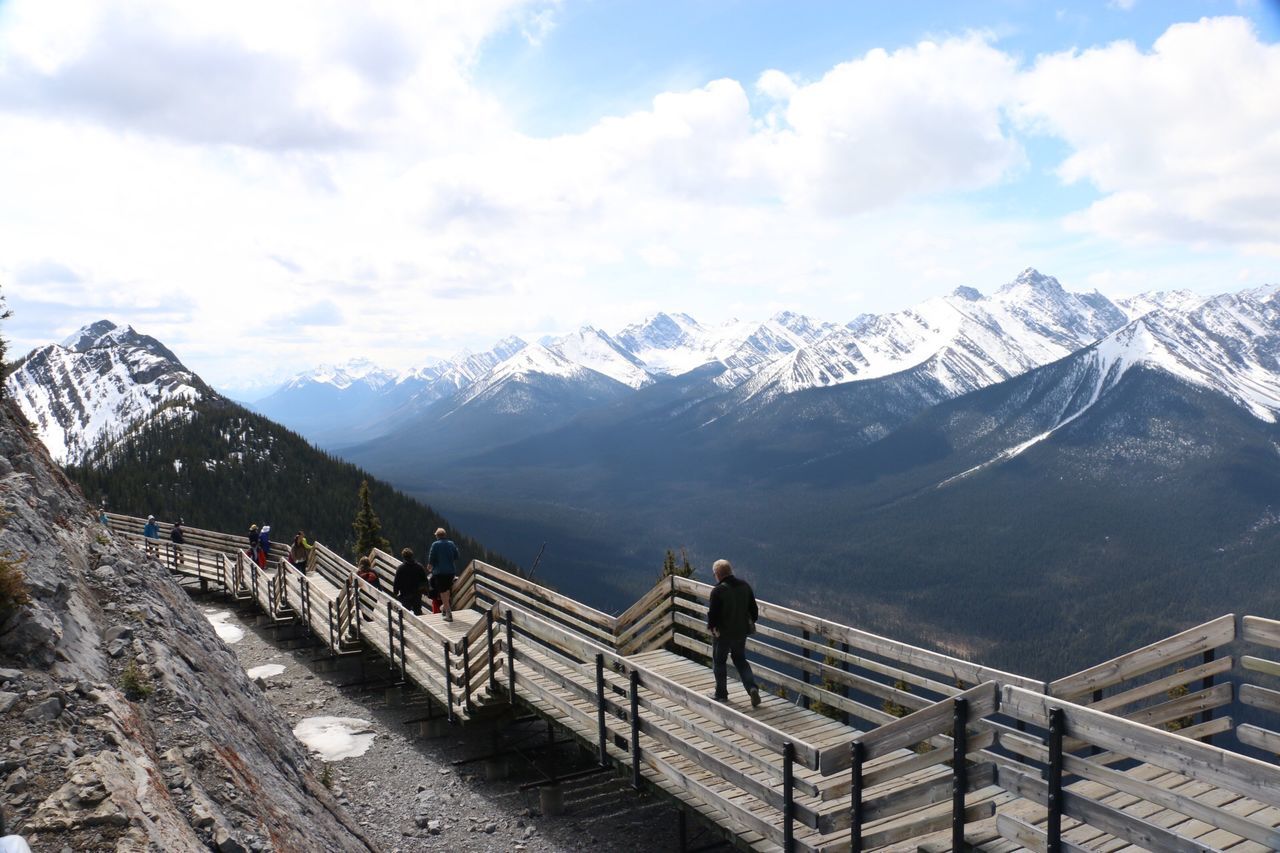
x=408, y=795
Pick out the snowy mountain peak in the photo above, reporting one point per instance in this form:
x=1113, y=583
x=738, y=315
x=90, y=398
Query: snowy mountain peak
x=968, y=294
x=593, y=349
x=1035, y=280
x=89, y=336
x=96, y=385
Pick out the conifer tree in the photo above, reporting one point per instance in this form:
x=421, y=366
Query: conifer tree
x=5, y=314
x=367, y=526
x=683, y=569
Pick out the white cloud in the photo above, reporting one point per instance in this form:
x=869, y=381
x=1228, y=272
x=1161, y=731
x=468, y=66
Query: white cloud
x=925, y=119
x=309, y=163
x=1183, y=140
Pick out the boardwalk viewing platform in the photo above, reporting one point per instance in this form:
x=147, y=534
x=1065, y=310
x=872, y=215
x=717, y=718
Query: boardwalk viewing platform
x=864, y=743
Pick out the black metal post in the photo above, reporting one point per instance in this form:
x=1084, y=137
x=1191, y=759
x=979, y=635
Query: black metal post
x=788, y=796
x=858, y=753
x=682, y=829
x=448, y=682
x=404, y=670
x=332, y=629
x=635, y=729
x=959, y=770
x=804, y=673
x=604, y=752
x=1057, y=726
x=488, y=637
x=511, y=665
x=466, y=672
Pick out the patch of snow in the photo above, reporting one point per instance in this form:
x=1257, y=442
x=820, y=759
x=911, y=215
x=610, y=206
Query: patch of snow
x=267, y=670
x=335, y=738
x=227, y=632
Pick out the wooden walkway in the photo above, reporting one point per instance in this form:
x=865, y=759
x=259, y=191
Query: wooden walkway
x=874, y=744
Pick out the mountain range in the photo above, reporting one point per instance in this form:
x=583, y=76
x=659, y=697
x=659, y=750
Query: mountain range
x=964, y=472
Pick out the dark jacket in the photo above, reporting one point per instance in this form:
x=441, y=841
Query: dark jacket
x=175, y=533
x=733, y=609
x=410, y=580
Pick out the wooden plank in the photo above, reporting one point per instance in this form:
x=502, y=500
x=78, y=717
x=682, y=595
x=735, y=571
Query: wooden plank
x=1210, y=635
x=1184, y=706
x=1238, y=773
x=919, y=726
x=924, y=822
x=1264, y=632
x=1158, y=794
x=917, y=796
x=627, y=621
x=721, y=714
x=1030, y=837
x=486, y=588
x=952, y=668
x=1260, y=697
x=1214, y=667
x=1261, y=738
x=1268, y=667
x=601, y=621
x=1121, y=824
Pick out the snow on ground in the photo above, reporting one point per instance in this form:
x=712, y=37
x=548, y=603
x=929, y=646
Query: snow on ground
x=226, y=631
x=267, y=670
x=335, y=738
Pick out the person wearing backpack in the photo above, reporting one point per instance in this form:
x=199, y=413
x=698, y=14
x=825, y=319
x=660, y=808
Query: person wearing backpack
x=151, y=537
x=442, y=558
x=177, y=536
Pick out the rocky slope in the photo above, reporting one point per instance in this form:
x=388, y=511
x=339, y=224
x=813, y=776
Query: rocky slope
x=126, y=724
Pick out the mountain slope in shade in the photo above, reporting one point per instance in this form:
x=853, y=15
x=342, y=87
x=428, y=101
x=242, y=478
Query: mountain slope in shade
x=97, y=383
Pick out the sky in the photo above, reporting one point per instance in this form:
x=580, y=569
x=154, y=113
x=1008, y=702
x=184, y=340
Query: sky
x=269, y=186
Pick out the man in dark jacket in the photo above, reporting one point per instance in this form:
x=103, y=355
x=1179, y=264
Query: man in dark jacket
x=410, y=579
x=731, y=618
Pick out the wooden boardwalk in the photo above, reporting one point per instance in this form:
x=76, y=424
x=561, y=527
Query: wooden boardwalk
x=874, y=744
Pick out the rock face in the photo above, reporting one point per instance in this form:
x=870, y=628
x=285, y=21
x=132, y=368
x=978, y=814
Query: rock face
x=125, y=723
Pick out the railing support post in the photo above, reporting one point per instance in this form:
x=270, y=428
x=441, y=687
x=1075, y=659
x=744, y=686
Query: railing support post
x=788, y=796
x=511, y=664
x=858, y=753
x=391, y=634
x=635, y=729
x=1207, y=684
x=844, y=688
x=466, y=672
x=404, y=668
x=488, y=637
x=448, y=683
x=959, y=770
x=804, y=673
x=1053, y=828
x=604, y=752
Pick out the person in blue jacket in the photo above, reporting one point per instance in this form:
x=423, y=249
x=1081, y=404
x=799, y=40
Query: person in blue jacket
x=151, y=533
x=264, y=542
x=443, y=559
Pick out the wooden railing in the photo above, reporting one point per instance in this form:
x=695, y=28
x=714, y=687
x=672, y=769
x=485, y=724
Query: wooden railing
x=1065, y=723
x=935, y=728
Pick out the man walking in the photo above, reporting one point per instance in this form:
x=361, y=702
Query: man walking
x=410, y=579
x=731, y=618
x=442, y=558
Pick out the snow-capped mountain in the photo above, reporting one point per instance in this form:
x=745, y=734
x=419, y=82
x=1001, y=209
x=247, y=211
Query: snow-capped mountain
x=95, y=384
x=592, y=348
x=958, y=343
x=1171, y=300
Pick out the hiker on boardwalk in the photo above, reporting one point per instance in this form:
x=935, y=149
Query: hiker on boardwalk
x=365, y=572
x=151, y=536
x=731, y=619
x=176, y=536
x=410, y=580
x=443, y=558
x=254, y=546
x=300, y=551
x=264, y=542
